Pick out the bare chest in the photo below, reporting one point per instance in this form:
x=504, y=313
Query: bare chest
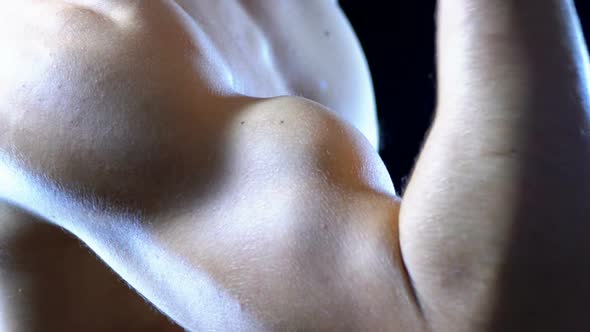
x=303, y=48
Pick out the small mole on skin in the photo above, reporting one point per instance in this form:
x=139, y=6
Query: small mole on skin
x=243, y=122
x=282, y=121
x=327, y=33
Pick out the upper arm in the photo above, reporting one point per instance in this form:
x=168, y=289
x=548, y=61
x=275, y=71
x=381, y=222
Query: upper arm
x=109, y=119
x=110, y=107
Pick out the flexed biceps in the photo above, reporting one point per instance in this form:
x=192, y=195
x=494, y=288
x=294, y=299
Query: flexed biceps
x=180, y=151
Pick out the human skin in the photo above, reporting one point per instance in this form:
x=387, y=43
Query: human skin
x=229, y=209
x=161, y=30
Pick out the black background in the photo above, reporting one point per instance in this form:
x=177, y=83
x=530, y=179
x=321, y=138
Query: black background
x=398, y=40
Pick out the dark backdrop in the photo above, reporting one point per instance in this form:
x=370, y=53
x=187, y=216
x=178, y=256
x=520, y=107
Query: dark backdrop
x=398, y=39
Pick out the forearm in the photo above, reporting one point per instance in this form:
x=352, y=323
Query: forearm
x=510, y=137
x=534, y=48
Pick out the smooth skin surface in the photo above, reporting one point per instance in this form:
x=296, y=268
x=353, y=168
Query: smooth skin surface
x=220, y=157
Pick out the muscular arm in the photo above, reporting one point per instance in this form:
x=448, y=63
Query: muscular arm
x=230, y=212
x=226, y=212
x=494, y=221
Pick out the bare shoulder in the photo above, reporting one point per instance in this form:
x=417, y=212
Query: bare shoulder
x=96, y=106
x=122, y=117
x=140, y=128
